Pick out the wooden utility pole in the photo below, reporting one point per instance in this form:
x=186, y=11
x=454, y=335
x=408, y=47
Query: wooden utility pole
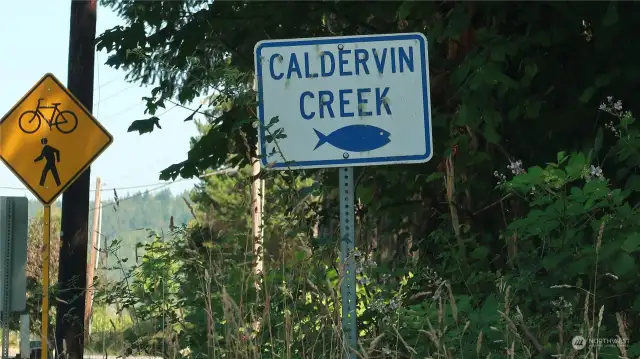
x=99, y=257
x=88, y=302
x=72, y=276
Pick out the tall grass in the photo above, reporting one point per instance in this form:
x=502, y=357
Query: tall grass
x=252, y=330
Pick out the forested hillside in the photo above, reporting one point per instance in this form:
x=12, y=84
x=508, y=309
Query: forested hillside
x=129, y=219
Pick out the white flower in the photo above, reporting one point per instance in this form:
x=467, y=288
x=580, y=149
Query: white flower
x=501, y=177
x=593, y=173
x=185, y=351
x=618, y=105
x=516, y=167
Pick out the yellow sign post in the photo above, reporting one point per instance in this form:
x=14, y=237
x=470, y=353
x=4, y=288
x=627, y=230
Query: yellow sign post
x=46, y=238
x=48, y=139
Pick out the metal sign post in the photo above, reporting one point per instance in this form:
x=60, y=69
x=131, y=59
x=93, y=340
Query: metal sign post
x=6, y=276
x=13, y=257
x=25, y=335
x=347, y=260
x=340, y=102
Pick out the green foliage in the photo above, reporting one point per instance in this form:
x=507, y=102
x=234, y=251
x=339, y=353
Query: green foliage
x=145, y=126
x=521, y=267
x=125, y=223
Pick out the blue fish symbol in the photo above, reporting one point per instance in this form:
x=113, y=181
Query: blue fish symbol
x=355, y=138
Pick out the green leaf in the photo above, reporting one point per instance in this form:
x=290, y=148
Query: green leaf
x=365, y=194
x=634, y=349
x=467, y=115
x=514, y=113
x=595, y=188
x=533, y=109
x=273, y=120
x=462, y=118
x=531, y=69
x=588, y=94
x=603, y=80
x=633, y=183
x=498, y=53
x=144, y=126
x=611, y=16
x=458, y=21
x=576, y=194
x=561, y=157
x=490, y=133
x=552, y=261
x=490, y=73
x=589, y=203
x=598, y=145
x=433, y=177
x=461, y=73
x=636, y=305
x=489, y=309
x=623, y=264
x=404, y=10
x=632, y=243
x=623, y=172
x=480, y=253
x=576, y=165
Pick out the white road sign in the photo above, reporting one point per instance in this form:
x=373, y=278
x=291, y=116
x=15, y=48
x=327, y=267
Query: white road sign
x=344, y=101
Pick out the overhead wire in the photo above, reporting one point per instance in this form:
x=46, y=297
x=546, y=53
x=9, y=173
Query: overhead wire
x=120, y=92
x=99, y=87
x=97, y=110
x=136, y=186
x=158, y=186
x=113, y=188
x=106, y=83
x=116, y=201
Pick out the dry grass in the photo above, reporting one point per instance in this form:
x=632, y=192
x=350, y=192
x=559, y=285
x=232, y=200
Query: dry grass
x=253, y=333
x=241, y=338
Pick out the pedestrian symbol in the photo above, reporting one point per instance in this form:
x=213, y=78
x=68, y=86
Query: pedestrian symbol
x=51, y=156
x=48, y=139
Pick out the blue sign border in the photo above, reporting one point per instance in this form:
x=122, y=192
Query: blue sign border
x=426, y=98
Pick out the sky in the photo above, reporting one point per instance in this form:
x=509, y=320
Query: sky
x=34, y=41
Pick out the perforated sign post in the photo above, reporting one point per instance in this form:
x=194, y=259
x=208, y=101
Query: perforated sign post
x=344, y=102
x=13, y=258
x=48, y=139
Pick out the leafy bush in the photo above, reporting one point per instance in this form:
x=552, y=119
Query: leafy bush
x=570, y=271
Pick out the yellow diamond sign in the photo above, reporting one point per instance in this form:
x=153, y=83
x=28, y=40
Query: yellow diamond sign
x=48, y=139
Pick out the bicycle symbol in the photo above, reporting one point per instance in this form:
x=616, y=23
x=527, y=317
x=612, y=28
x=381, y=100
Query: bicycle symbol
x=65, y=121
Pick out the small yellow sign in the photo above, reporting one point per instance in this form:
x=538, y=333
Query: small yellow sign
x=48, y=139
